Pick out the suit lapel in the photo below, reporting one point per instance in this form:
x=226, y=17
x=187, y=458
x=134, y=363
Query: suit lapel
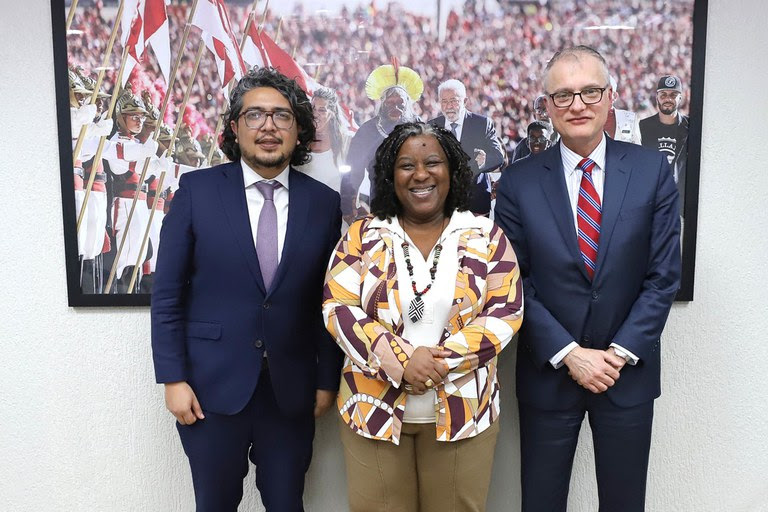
x=616, y=172
x=298, y=209
x=556, y=192
x=232, y=193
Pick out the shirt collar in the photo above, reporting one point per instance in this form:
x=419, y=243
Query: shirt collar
x=572, y=159
x=459, y=221
x=250, y=176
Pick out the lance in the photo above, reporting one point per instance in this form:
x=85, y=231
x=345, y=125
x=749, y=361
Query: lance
x=100, y=78
x=277, y=34
x=143, y=176
x=156, y=134
x=102, y=141
x=220, y=122
x=147, y=231
x=71, y=14
x=264, y=17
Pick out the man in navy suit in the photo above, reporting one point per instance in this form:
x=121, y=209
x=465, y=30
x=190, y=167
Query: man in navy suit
x=477, y=136
x=595, y=227
x=237, y=330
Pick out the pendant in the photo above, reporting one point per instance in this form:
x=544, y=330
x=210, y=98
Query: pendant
x=416, y=309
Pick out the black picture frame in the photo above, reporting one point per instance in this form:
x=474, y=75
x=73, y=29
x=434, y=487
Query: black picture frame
x=59, y=11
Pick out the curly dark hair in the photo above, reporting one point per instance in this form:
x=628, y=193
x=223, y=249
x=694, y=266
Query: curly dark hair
x=300, y=105
x=385, y=202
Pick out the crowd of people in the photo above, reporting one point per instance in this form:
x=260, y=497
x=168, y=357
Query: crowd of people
x=496, y=55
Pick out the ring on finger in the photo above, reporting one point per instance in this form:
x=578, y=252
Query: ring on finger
x=429, y=383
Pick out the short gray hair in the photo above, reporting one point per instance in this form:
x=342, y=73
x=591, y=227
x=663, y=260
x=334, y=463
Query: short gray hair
x=452, y=85
x=575, y=52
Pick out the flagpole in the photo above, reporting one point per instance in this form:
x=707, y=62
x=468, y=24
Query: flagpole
x=264, y=17
x=146, y=162
x=277, y=34
x=158, y=193
x=71, y=14
x=317, y=72
x=220, y=122
x=99, y=80
x=179, y=122
x=102, y=140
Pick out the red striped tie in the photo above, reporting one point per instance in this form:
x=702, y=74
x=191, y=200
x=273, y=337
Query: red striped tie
x=588, y=214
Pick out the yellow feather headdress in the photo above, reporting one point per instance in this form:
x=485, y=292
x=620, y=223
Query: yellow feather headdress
x=393, y=75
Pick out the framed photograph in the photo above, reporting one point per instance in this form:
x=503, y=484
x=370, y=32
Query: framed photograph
x=125, y=140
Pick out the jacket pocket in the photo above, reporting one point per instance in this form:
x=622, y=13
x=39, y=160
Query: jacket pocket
x=204, y=330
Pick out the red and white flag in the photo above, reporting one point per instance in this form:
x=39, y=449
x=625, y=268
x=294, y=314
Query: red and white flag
x=145, y=23
x=254, y=53
x=211, y=17
x=262, y=51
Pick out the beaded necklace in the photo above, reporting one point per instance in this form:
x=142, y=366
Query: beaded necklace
x=416, y=307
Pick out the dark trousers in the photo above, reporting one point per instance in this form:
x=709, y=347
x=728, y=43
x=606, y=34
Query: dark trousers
x=219, y=447
x=621, y=438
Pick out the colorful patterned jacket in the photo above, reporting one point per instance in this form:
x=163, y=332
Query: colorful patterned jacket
x=362, y=311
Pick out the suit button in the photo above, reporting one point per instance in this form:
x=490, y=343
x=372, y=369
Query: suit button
x=595, y=295
x=586, y=339
x=258, y=343
x=266, y=305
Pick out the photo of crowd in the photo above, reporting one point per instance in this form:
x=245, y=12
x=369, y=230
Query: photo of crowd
x=473, y=67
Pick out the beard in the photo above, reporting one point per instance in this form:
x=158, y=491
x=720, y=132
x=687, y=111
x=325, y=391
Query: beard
x=668, y=108
x=275, y=160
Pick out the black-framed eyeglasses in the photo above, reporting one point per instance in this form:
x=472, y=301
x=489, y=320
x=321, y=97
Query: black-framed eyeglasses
x=589, y=96
x=256, y=118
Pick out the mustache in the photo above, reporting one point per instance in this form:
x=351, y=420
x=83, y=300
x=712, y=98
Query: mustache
x=269, y=139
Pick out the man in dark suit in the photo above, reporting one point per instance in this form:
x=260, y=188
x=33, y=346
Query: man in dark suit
x=237, y=330
x=595, y=226
x=477, y=136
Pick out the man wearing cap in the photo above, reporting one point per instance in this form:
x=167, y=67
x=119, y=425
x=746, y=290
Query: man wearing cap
x=395, y=89
x=667, y=131
x=477, y=136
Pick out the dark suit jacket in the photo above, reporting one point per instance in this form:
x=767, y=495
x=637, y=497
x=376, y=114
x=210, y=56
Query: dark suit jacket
x=212, y=318
x=637, y=275
x=478, y=132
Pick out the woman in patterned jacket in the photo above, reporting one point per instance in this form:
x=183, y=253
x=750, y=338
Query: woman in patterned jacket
x=422, y=296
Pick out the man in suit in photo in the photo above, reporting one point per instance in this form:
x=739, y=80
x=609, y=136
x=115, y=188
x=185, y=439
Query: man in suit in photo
x=595, y=226
x=237, y=332
x=477, y=136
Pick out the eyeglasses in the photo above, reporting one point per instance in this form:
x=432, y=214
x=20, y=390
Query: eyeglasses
x=137, y=117
x=453, y=102
x=256, y=118
x=589, y=96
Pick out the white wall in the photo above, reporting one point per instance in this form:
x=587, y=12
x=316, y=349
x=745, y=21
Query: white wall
x=83, y=428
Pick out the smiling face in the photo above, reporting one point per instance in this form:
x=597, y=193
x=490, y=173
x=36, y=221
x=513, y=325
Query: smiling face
x=268, y=149
x=580, y=126
x=668, y=100
x=452, y=104
x=422, y=179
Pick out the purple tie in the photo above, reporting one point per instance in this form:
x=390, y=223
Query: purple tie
x=266, y=233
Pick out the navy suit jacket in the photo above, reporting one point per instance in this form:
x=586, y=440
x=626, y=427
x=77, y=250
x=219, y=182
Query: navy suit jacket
x=212, y=318
x=635, y=283
x=478, y=132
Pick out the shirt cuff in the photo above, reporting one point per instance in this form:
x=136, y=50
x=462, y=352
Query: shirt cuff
x=557, y=360
x=622, y=352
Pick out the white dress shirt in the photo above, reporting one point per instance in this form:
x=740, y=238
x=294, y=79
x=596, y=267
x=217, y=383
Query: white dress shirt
x=573, y=183
x=459, y=122
x=255, y=201
x=437, y=301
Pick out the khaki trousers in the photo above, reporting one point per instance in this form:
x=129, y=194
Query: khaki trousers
x=421, y=474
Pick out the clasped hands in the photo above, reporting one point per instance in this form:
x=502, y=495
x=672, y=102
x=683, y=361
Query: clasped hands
x=426, y=369
x=593, y=369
